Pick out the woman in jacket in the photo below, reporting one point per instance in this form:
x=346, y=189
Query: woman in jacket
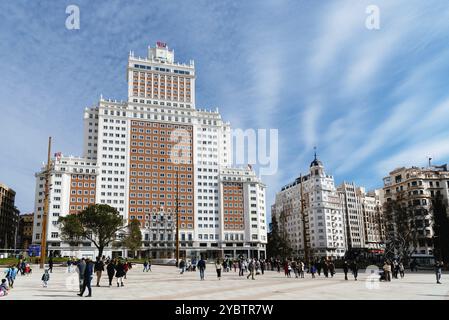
x=110, y=268
x=120, y=273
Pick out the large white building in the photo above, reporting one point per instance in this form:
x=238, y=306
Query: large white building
x=137, y=152
x=414, y=189
x=363, y=218
x=321, y=219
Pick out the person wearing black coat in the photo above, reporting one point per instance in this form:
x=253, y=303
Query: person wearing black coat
x=110, y=268
x=346, y=269
x=120, y=273
x=88, y=274
x=99, y=268
x=202, y=267
x=354, y=269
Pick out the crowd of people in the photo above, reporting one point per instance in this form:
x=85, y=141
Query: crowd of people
x=250, y=267
x=86, y=269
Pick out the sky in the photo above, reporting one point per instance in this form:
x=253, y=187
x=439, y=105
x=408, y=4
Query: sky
x=370, y=100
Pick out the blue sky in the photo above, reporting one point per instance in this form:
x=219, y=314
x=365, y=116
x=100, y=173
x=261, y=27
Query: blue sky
x=370, y=100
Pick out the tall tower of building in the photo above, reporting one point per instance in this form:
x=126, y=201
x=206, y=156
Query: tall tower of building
x=155, y=155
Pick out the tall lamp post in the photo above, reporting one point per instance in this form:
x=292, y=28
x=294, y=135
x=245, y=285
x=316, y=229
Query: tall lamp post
x=45, y=215
x=177, y=217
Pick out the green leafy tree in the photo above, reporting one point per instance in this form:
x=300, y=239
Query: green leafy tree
x=133, y=239
x=277, y=245
x=98, y=223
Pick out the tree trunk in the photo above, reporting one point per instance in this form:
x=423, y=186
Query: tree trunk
x=100, y=251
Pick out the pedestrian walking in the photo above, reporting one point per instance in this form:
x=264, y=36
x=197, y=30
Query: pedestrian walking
x=240, y=268
x=326, y=269
x=69, y=265
x=262, y=266
x=120, y=273
x=355, y=269
x=345, y=269
x=182, y=266
x=88, y=275
x=332, y=268
x=201, y=267
x=11, y=274
x=301, y=269
x=110, y=268
x=295, y=268
x=50, y=264
x=145, y=265
x=438, y=270
x=401, y=270
x=218, y=268
x=45, y=278
x=318, y=267
x=23, y=267
x=286, y=265
x=99, y=268
x=81, y=267
x=251, y=269
x=313, y=271
x=387, y=270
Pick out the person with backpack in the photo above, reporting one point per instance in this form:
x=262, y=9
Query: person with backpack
x=45, y=278
x=120, y=273
x=201, y=267
x=11, y=274
x=251, y=269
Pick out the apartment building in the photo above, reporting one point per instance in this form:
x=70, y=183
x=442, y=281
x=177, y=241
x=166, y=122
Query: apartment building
x=318, y=227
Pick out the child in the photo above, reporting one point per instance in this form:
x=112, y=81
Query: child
x=3, y=288
x=45, y=278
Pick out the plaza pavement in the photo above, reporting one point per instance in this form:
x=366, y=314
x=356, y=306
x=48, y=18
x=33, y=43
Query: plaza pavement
x=165, y=282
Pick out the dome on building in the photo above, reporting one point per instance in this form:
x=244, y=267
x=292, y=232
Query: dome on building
x=316, y=162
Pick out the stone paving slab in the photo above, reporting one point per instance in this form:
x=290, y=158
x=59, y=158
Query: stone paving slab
x=165, y=283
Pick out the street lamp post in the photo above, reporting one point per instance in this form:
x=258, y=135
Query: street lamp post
x=45, y=215
x=177, y=217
